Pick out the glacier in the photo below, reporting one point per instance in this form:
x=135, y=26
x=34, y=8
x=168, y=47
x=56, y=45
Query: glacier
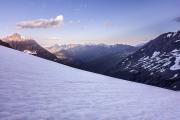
x=33, y=88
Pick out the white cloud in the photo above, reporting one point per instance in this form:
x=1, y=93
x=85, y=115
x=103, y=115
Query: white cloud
x=41, y=23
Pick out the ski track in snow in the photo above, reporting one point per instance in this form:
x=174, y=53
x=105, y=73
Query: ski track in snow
x=32, y=88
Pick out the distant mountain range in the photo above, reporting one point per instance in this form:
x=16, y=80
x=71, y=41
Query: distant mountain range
x=156, y=62
x=92, y=57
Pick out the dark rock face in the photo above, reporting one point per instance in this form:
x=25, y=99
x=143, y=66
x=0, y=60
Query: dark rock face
x=157, y=63
x=32, y=47
x=102, y=64
x=5, y=44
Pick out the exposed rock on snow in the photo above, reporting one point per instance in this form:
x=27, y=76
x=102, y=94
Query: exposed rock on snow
x=176, y=65
x=175, y=75
x=30, y=52
x=155, y=54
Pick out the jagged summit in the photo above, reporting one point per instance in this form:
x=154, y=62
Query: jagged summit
x=14, y=37
x=28, y=45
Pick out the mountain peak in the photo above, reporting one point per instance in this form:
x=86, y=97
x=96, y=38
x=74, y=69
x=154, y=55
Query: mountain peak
x=14, y=37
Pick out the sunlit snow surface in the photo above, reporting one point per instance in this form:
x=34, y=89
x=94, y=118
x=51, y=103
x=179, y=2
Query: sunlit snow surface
x=35, y=89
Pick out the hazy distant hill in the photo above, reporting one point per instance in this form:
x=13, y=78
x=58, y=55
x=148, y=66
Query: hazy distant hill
x=96, y=58
x=102, y=64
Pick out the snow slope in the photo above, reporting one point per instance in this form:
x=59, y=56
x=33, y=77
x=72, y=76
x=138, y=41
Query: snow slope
x=32, y=88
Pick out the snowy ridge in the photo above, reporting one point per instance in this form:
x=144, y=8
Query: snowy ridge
x=37, y=89
x=157, y=63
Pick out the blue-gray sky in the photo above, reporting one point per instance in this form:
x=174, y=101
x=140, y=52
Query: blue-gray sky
x=89, y=21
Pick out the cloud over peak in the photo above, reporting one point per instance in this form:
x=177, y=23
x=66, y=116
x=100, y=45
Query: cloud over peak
x=41, y=23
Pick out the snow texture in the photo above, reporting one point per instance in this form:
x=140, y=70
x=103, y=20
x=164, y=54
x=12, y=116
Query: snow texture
x=160, y=61
x=32, y=88
x=169, y=35
x=155, y=54
x=176, y=65
x=29, y=52
x=177, y=41
x=175, y=75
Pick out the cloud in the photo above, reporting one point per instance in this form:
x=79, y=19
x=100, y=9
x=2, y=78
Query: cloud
x=177, y=19
x=41, y=23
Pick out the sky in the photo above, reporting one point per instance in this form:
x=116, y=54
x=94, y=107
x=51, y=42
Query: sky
x=89, y=21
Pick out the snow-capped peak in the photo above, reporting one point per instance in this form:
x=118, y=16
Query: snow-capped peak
x=14, y=37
